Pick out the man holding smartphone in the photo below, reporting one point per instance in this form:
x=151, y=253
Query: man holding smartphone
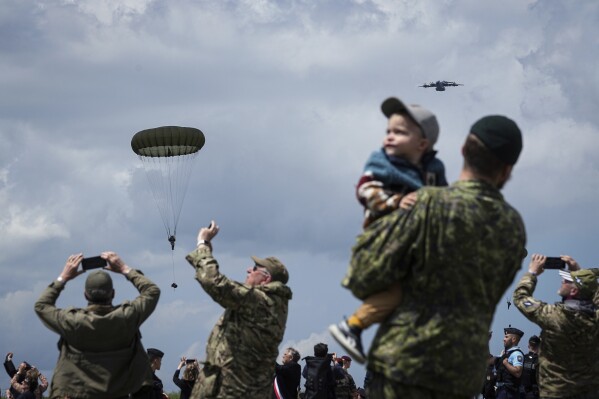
x=95, y=361
x=569, y=348
x=243, y=346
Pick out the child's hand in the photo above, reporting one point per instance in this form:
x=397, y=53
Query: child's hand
x=408, y=201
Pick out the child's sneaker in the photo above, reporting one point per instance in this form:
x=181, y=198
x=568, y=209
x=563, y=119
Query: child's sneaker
x=350, y=339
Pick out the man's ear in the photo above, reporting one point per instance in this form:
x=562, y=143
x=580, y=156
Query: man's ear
x=506, y=172
x=267, y=280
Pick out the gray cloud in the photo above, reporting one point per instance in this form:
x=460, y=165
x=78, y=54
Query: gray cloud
x=287, y=94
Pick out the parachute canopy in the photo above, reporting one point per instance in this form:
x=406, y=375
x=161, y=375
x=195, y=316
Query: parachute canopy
x=167, y=154
x=167, y=141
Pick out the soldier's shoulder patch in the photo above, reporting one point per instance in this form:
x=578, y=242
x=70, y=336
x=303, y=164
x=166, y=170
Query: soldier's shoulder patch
x=520, y=358
x=529, y=303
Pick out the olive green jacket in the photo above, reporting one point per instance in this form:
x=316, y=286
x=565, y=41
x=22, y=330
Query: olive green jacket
x=454, y=253
x=243, y=346
x=569, y=351
x=101, y=355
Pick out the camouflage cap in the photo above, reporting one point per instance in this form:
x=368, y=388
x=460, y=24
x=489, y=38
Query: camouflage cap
x=98, y=285
x=584, y=279
x=513, y=330
x=277, y=270
x=501, y=136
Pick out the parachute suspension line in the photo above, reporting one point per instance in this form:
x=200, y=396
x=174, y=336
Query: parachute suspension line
x=182, y=181
x=174, y=285
x=155, y=180
x=168, y=178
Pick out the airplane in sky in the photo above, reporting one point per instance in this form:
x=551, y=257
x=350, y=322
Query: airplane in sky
x=440, y=85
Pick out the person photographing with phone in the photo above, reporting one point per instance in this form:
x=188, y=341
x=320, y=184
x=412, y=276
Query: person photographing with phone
x=190, y=376
x=243, y=345
x=569, y=349
x=94, y=361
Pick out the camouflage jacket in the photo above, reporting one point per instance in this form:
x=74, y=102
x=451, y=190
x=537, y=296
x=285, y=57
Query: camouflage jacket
x=243, y=346
x=569, y=348
x=454, y=253
x=94, y=361
x=345, y=386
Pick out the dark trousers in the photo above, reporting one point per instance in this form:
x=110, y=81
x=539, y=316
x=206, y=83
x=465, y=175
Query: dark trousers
x=505, y=393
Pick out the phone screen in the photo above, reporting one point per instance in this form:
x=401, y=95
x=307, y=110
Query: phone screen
x=553, y=262
x=94, y=262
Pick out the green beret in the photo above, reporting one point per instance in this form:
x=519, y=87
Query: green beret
x=500, y=135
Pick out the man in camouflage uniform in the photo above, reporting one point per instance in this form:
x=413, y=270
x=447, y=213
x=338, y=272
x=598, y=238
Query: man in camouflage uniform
x=345, y=386
x=101, y=355
x=243, y=345
x=568, y=365
x=454, y=252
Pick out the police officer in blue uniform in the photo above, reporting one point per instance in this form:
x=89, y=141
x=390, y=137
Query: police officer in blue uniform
x=509, y=365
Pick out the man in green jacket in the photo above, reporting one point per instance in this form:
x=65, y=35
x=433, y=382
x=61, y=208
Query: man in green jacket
x=243, y=346
x=454, y=253
x=568, y=365
x=101, y=354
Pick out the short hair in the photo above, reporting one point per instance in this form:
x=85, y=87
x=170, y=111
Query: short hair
x=295, y=355
x=154, y=354
x=480, y=159
x=321, y=350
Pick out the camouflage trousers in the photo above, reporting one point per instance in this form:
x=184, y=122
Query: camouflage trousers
x=382, y=388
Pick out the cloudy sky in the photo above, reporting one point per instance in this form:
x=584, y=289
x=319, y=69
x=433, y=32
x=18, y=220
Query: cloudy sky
x=287, y=94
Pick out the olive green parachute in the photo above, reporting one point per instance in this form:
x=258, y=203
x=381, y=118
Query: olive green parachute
x=167, y=154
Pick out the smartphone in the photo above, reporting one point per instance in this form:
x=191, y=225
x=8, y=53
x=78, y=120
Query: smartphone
x=553, y=262
x=94, y=262
x=190, y=360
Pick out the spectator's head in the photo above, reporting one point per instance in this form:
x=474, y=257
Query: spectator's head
x=512, y=336
x=98, y=288
x=155, y=356
x=492, y=149
x=321, y=350
x=412, y=130
x=579, y=284
x=346, y=361
x=266, y=270
x=191, y=372
x=533, y=343
x=291, y=355
x=24, y=367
